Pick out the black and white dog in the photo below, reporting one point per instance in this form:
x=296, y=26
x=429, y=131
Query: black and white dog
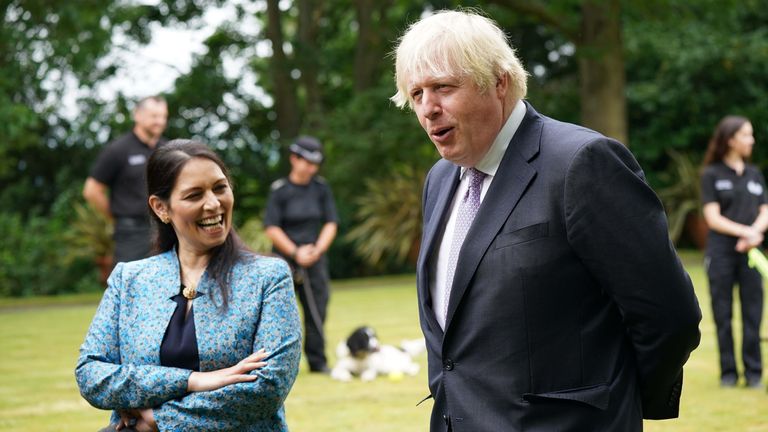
x=362, y=355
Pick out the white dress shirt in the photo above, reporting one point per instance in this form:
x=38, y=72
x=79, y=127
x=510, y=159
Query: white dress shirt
x=489, y=165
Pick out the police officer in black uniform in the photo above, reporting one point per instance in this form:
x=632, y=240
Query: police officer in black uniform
x=736, y=210
x=117, y=184
x=301, y=221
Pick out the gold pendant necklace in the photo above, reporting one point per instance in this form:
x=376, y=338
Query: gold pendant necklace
x=189, y=292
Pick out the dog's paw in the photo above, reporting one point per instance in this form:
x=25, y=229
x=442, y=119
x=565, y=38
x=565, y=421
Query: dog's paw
x=341, y=375
x=368, y=375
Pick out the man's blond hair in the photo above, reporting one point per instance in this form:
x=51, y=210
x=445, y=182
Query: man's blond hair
x=457, y=44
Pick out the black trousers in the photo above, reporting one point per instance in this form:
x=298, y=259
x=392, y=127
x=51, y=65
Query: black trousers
x=315, y=293
x=724, y=269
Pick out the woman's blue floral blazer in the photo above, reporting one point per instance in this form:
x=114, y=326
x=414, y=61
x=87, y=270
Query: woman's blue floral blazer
x=119, y=364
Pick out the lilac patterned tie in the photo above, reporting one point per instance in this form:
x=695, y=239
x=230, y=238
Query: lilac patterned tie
x=466, y=214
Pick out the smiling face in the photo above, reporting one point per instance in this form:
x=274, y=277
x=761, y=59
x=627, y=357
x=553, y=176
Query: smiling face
x=742, y=141
x=460, y=119
x=200, y=206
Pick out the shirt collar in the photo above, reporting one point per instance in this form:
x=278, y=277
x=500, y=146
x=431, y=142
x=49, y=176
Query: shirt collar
x=489, y=164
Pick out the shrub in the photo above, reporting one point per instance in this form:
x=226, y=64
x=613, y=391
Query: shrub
x=36, y=255
x=389, y=218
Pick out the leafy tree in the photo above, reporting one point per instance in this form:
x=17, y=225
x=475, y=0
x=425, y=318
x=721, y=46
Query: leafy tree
x=594, y=28
x=49, y=49
x=327, y=73
x=321, y=67
x=690, y=67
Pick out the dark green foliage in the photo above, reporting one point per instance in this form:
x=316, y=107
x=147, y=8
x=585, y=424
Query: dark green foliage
x=688, y=64
x=44, y=45
x=35, y=257
x=388, y=218
x=682, y=196
x=47, y=49
x=689, y=68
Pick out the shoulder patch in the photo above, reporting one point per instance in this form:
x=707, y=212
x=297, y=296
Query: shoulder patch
x=723, y=184
x=277, y=184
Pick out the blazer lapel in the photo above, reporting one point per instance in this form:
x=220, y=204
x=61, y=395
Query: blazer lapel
x=164, y=283
x=168, y=277
x=211, y=327
x=508, y=186
x=432, y=234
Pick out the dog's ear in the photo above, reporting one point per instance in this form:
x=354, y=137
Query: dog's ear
x=358, y=341
x=357, y=331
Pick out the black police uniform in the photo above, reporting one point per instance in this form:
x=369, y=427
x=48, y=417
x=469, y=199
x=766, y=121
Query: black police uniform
x=301, y=211
x=122, y=167
x=740, y=198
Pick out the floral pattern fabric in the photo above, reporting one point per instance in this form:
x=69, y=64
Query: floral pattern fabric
x=119, y=364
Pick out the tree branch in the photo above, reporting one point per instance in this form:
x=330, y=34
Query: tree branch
x=544, y=15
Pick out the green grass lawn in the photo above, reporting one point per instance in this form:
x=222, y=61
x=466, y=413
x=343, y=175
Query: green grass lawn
x=39, y=339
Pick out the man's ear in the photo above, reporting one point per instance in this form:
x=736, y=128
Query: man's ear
x=159, y=207
x=135, y=115
x=502, y=86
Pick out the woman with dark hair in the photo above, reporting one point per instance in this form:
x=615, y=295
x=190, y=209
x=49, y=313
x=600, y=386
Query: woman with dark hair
x=206, y=334
x=733, y=194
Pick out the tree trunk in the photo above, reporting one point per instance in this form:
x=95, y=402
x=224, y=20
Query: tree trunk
x=369, y=46
x=601, y=59
x=286, y=101
x=307, y=52
x=601, y=69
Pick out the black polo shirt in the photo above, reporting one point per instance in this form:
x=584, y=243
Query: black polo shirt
x=739, y=196
x=122, y=167
x=300, y=210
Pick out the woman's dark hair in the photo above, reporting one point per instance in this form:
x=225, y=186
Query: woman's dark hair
x=718, y=143
x=163, y=170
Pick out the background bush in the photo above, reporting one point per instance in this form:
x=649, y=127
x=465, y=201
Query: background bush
x=687, y=64
x=36, y=257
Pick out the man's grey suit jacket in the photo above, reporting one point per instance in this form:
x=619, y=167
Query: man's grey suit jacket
x=570, y=310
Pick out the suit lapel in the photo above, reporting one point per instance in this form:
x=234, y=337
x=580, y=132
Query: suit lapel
x=432, y=231
x=508, y=186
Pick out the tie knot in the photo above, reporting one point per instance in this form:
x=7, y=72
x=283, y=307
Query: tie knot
x=477, y=177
